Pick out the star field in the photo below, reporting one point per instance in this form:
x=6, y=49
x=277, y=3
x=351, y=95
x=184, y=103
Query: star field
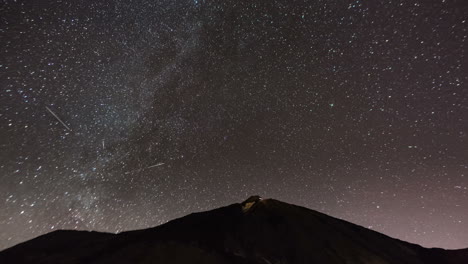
x=127, y=114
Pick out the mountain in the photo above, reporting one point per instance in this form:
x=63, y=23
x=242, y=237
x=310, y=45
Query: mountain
x=263, y=231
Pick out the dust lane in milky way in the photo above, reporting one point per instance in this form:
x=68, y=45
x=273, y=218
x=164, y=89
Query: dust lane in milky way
x=124, y=115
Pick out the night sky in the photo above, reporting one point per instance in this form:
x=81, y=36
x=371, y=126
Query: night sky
x=120, y=115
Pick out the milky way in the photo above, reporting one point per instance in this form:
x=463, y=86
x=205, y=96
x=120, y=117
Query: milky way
x=119, y=115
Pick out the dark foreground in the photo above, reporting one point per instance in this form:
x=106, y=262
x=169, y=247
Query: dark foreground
x=256, y=231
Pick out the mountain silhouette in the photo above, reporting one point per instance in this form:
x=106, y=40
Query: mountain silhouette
x=263, y=231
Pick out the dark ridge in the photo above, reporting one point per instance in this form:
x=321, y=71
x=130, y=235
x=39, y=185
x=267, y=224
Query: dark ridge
x=255, y=231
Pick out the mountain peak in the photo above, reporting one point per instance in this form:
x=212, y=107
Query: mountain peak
x=264, y=231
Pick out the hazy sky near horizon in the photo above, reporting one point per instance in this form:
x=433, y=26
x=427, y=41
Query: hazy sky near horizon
x=120, y=115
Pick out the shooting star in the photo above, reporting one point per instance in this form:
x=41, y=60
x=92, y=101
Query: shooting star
x=155, y=165
x=152, y=166
x=58, y=118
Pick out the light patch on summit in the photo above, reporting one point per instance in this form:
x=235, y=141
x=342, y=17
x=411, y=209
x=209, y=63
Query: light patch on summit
x=247, y=204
